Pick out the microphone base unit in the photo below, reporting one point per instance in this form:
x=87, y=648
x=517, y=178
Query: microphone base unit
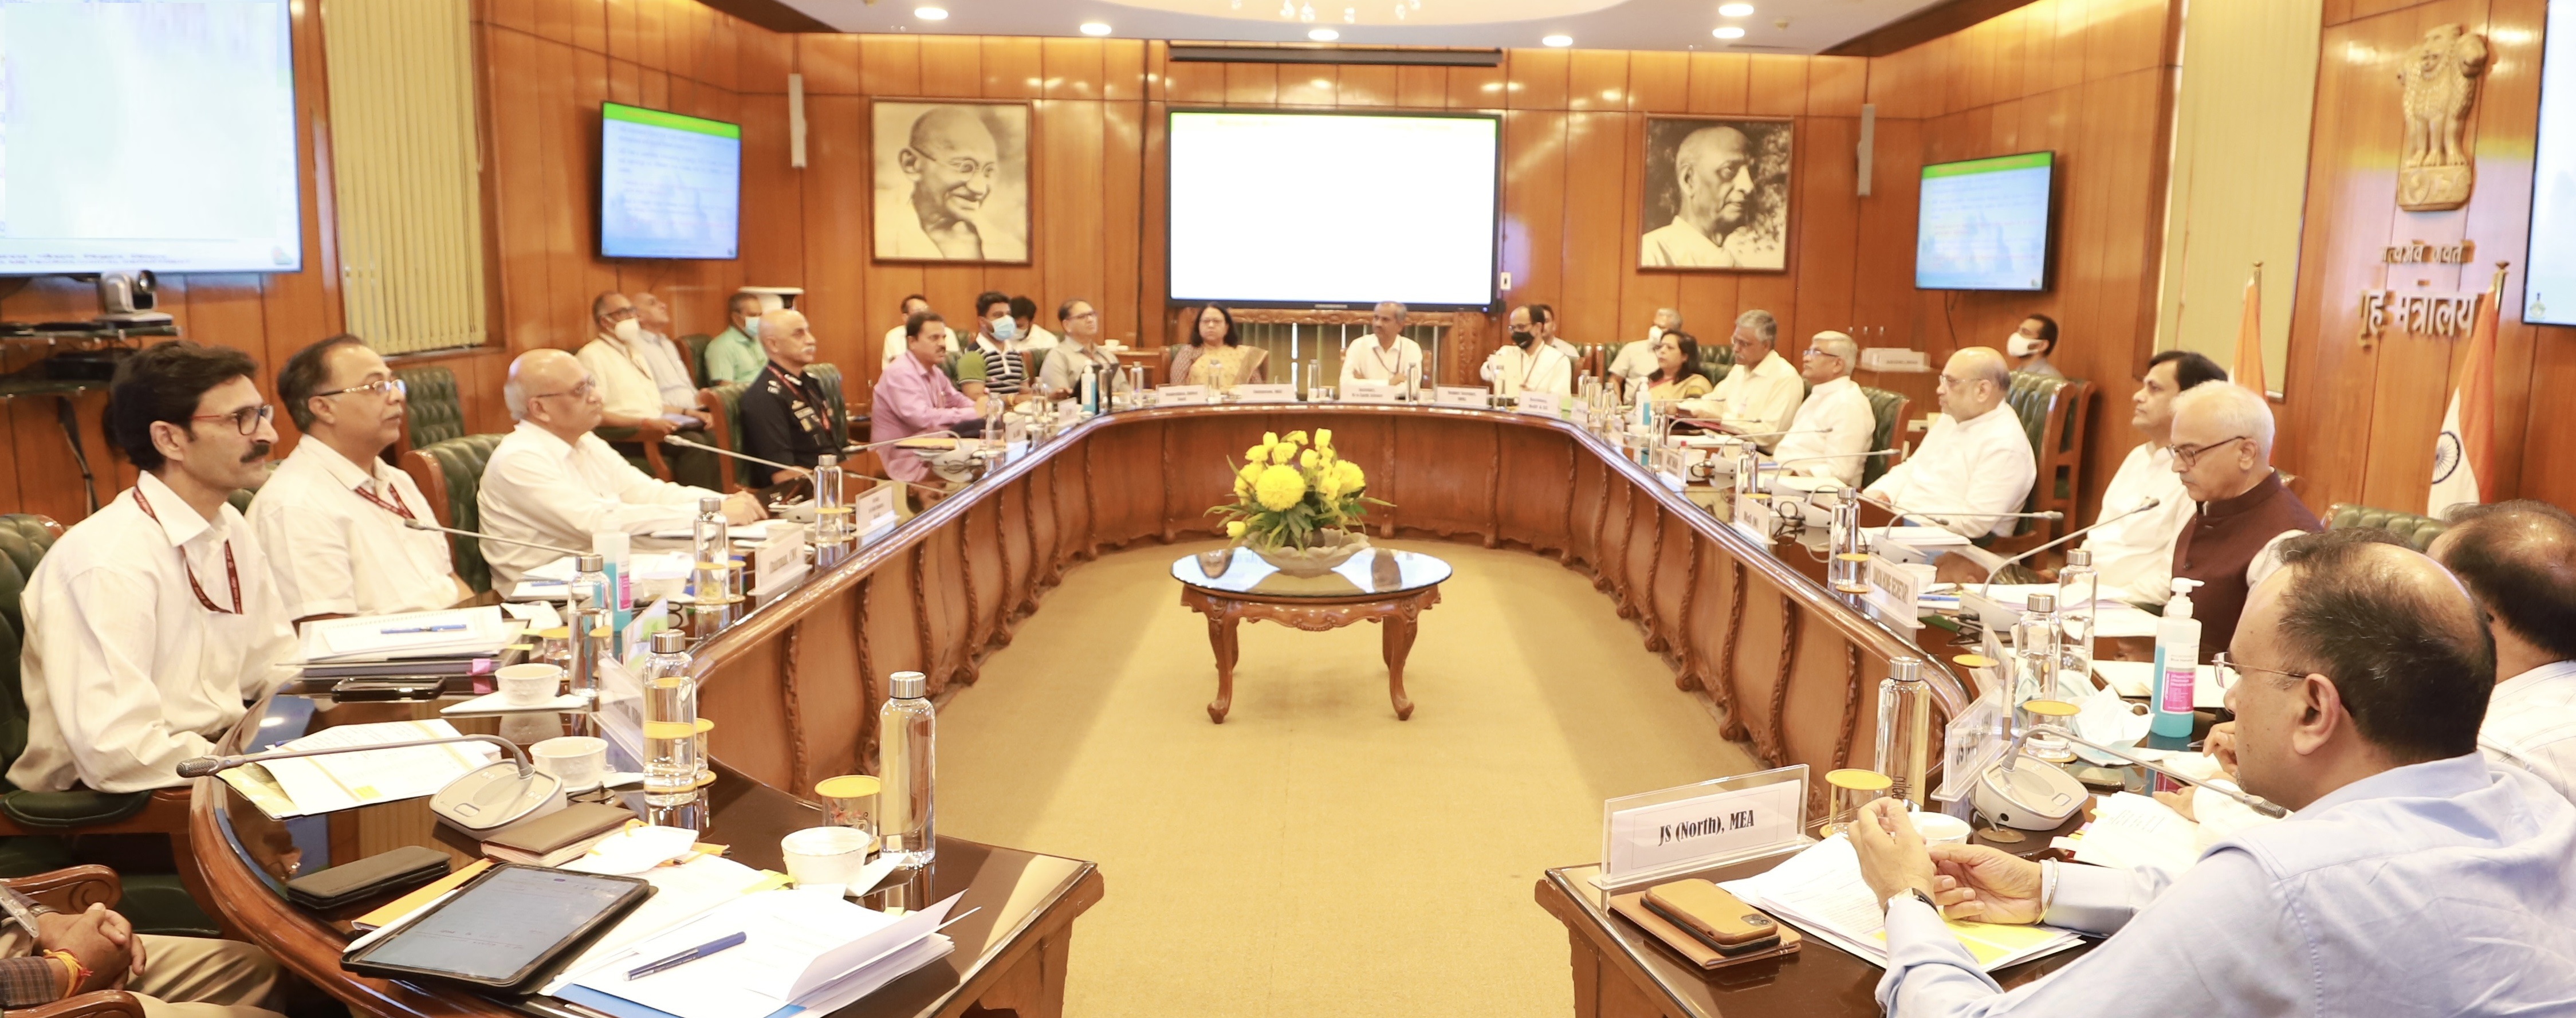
x=486, y=800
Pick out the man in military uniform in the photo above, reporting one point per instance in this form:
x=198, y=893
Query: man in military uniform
x=784, y=417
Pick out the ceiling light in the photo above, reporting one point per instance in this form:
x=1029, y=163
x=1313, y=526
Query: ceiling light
x=1095, y=28
x=1735, y=10
x=1559, y=41
x=1323, y=35
x=930, y=13
x=1729, y=32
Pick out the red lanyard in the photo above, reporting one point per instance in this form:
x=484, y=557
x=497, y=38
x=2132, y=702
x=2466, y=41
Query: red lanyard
x=395, y=507
x=230, y=573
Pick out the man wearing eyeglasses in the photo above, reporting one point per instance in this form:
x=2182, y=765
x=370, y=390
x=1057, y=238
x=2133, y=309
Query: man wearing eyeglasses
x=334, y=513
x=953, y=163
x=1830, y=435
x=1078, y=354
x=2413, y=877
x=2222, y=448
x=553, y=482
x=150, y=623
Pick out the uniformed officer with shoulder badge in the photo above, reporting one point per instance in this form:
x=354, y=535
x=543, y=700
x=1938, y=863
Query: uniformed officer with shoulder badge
x=784, y=417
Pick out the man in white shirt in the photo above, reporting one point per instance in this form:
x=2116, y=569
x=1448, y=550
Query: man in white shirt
x=661, y=355
x=1637, y=360
x=1385, y=354
x=334, y=513
x=2519, y=560
x=1834, y=426
x=1761, y=392
x=621, y=365
x=2135, y=552
x=1976, y=462
x=1528, y=362
x=1032, y=335
x=895, y=341
x=151, y=623
x=555, y=483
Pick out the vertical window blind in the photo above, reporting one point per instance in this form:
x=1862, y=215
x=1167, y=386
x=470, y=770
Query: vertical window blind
x=406, y=171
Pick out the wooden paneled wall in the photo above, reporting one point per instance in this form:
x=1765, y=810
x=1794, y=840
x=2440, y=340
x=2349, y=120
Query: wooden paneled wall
x=2358, y=422
x=2088, y=78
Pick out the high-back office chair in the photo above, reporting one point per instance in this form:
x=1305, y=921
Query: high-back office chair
x=1888, y=410
x=827, y=377
x=450, y=475
x=2055, y=412
x=694, y=347
x=32, y=823
x=2417, y=531
x=431, y=410
x=1715, y=360
x=725, y=402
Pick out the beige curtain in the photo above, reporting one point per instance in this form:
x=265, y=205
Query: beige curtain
x=406, y=171
x=2239, y=181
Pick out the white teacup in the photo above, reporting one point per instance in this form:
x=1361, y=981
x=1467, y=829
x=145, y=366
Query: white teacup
x=579, y=761
x=1941, y=829
x=527, y=685
x=826, y=855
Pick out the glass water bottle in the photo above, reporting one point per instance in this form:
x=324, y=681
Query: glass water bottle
x=1905, y=730
x=670, y=722
x=2077, y=587
x=831, y=514
x=2038, y=649
x=586, y=622
x=907, y=762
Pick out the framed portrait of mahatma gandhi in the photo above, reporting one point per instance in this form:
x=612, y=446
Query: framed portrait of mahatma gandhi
x=1716, y=194
x=951, y=180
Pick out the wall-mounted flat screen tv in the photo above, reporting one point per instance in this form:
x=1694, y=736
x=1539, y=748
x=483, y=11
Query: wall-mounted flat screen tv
x=1983, y=224
x=670, y=186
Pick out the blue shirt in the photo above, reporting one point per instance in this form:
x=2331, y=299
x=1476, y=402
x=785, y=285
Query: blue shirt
x=2439, y=888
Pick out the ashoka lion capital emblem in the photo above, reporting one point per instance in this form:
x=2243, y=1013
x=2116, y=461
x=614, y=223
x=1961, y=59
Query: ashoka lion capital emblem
x=2441, y=83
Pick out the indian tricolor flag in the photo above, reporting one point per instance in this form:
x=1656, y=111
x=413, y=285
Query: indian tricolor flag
x=2463, y=454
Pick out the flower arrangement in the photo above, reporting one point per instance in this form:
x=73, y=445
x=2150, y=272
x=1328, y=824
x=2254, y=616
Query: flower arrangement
x=1289, y=494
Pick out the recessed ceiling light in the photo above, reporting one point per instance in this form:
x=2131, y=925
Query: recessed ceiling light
x=930, y=13
x=1323, y=35
x=1559, y=41
x=1729, y=32
x=1095, y=28
x=1735, y=10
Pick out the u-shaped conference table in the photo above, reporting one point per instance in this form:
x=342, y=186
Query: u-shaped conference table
x=794, y=686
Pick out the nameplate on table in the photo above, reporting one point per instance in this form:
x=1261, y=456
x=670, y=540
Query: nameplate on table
x=1753, y=518
x=1180, y=395
x=1067, y=413
x=1667, y=833
x=1895, y=588
x=1273, y=392
x=1368, y=392
x=780, y=563
x=875, y=513
x=1543, y=404
x=1458, y=395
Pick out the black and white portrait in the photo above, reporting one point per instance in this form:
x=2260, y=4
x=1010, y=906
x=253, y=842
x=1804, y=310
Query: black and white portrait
x=1716, y=194
x=952, y=181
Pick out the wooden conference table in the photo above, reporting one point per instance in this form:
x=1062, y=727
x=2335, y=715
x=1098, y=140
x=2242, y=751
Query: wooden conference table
x=794, y=685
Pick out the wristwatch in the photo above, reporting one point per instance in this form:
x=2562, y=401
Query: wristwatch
x=1915, y=893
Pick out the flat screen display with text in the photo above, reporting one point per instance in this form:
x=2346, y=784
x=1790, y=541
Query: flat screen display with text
x=2549, y=283
x=153, y=136
x=1983, y=224
x=1327, y=208
x=670, y=186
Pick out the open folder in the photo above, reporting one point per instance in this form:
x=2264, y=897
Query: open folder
x=805, y=952
x=1820, y=890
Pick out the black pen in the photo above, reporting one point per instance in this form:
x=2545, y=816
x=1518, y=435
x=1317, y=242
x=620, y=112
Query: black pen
x=685, y=957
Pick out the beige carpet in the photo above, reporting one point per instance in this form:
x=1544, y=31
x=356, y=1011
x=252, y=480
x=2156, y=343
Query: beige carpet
x=1313, y=855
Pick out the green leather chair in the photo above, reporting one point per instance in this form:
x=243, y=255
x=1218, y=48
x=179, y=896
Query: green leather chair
x=828, y=378
x=33, y=824
x=693, y=348
x=2055, y=412
x=1888, y=408
x=726, y=402
x=1715, y=360
x=450, y=475
x=431, y=410
x=2417, y=531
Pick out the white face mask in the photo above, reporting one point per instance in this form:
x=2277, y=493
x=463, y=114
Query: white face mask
x=629, y=331
x=1653, y=333
x=2021, y=345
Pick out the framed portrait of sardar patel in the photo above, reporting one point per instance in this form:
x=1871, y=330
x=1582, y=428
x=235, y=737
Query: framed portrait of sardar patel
x=1716, y=194
x=951, y=180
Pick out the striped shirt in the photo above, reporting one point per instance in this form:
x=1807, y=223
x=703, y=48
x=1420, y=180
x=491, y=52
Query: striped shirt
x=1002, y=373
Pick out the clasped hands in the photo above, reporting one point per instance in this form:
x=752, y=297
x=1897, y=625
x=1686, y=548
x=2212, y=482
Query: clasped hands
x=103, y=941
x=1966, y=881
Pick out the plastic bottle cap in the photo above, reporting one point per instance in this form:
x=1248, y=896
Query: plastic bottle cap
x=670, y=641
x=2042, y=603
x=908, y=685
x=589, y=564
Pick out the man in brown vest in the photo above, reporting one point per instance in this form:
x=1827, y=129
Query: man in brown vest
x=2222, y=446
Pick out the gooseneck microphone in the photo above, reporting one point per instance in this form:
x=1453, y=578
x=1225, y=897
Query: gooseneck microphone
x=2150, y=503
x=2012, y=755
x=686, y=444
x=198, y=767
x=557, y=549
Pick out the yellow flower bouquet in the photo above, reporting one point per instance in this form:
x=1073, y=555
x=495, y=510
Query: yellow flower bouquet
x=1296, y=502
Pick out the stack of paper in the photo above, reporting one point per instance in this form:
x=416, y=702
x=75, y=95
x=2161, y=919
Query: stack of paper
x=455, y=632
x=1918, y=537
x=551, y=579
x=2130, y=830
x=321, y=784
x=1821, y=891
x=805, y=952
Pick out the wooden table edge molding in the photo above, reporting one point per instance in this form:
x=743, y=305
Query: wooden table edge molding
x=1589, y=952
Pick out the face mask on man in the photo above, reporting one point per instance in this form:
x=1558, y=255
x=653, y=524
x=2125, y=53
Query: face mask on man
x=1654, y=333
x=1006, y=329
x=629, y=331
x=1521, y=337
x=751, y=329
x=2021, y=345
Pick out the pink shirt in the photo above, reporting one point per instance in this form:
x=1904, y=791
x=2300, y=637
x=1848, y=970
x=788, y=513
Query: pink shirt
x=914, y=400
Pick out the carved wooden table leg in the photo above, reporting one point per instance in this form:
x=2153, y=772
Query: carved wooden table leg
x=1221, y=638
x=1398, y=642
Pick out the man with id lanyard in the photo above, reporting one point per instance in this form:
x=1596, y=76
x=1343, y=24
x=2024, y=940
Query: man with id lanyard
x=1386, y=354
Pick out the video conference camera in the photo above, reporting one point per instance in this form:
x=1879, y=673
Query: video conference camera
x=127, y=298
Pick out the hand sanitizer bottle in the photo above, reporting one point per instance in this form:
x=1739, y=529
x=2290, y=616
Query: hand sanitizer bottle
x=2177, y=662
x=906, y=762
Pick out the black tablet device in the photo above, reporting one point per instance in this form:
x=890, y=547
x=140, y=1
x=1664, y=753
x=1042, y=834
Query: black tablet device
x=505, y=929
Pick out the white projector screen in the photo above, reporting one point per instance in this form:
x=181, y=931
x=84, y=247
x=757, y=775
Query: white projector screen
x=1329, y=208
x=148, y=136
x=2549, y=282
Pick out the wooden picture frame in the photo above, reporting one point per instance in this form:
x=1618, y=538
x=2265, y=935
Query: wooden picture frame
x=1679, y=231
x=967, y=202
